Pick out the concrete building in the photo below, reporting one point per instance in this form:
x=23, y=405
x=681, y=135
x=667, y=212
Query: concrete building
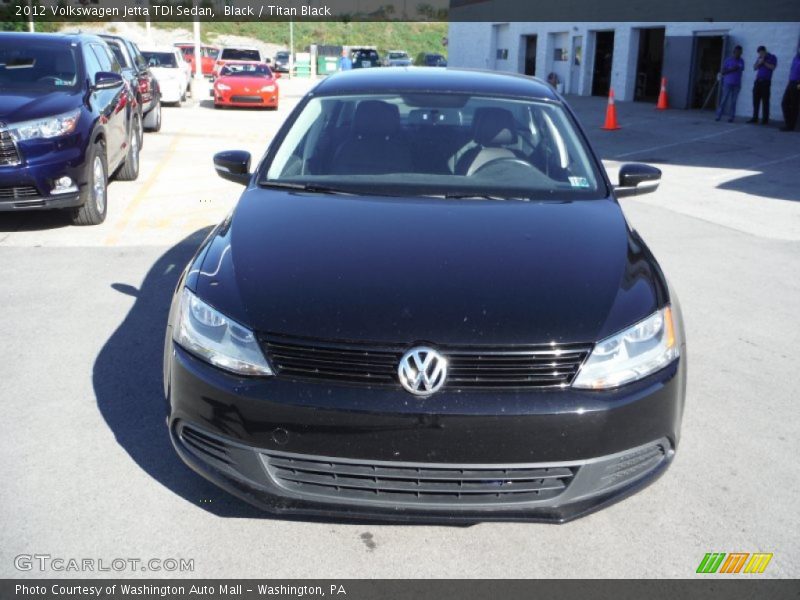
x=629, y=57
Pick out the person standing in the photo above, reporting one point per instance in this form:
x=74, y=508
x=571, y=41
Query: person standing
x=791, y=97
x=732, y=70
x=345, y=64
x=764, y=66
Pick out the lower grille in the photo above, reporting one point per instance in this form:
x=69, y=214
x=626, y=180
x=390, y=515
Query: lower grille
x=414, y=483
x=488, y=367
x=8, y=150
x=207, y=446
x=18, y=193
x=247, y=99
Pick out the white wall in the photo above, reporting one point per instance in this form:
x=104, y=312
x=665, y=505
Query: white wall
x=471, y=45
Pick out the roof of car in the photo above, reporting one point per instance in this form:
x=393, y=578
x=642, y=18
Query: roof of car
x=421, y=79
x=168, y=49
x=66, y=38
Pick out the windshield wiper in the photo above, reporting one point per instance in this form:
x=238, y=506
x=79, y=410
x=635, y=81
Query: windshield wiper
x=303, y=187
x=478, y=196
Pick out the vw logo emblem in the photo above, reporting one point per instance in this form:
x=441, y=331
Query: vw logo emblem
x=422, y=371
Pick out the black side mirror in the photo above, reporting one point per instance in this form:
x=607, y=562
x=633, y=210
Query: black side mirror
x=636, y=179
x=233, y=165
x=105, y=80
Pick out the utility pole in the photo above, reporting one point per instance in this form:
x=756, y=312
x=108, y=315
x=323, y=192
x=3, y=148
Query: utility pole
x=291, y=47
x=31, y=27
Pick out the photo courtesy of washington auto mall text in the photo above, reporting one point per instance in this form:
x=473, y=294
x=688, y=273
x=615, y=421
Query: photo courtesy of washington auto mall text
x=399, y=299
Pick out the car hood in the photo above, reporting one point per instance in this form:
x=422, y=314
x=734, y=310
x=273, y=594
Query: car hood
x=16, y=107
x=436, y=271
x=166, y=72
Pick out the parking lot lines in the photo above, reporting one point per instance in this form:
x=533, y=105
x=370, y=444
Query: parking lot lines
x=113, y=238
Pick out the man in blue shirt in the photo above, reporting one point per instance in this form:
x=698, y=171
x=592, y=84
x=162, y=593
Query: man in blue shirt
x=345, y=64
x=764, y=66
x=791, y=97
x=732, y=70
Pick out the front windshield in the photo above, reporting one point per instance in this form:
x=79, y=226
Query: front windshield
x=37, y=66
x=397, y=55
x=161, y=59
x=245, y=70
x=427, y=144
x=236, y=54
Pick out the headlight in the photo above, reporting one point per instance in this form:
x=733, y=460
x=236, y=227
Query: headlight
x=268, y=88
x=215, y=338
x=223, y=87
x=48, y=127
x=632, y=354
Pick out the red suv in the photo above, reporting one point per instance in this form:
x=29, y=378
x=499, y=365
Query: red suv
x=208, y=56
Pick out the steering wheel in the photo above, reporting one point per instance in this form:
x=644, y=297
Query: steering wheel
x=505, y=159
x=47, y=78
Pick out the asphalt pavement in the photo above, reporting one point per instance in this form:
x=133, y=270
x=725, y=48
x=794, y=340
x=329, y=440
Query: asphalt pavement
x=88, y=471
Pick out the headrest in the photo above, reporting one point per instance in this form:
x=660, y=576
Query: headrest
x=375, y=117
x=493, y=127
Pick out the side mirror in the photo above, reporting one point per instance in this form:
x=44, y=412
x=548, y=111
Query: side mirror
x=636, y=179
x=233, y=165
x=276, y=74
x=105, y=80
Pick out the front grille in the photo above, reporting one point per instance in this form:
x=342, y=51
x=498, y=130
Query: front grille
x=18, y=193
x=412, y=483
x=490, y=367
x=247, y=99
x=8, y=150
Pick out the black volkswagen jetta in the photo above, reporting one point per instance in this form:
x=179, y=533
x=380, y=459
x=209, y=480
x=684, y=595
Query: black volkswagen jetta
x=427, y=305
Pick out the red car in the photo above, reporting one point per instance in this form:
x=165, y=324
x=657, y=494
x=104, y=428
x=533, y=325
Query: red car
x=243, y=83
x=208, y=56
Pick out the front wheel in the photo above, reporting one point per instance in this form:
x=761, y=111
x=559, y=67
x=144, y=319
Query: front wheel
x=94, y=206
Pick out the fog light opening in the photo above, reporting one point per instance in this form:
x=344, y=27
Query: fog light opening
x=64, y=185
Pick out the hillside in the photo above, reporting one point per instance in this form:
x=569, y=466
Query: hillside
x=412, y=37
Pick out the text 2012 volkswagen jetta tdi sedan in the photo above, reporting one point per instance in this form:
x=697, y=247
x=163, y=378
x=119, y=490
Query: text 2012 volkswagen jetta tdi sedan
x=427, y=304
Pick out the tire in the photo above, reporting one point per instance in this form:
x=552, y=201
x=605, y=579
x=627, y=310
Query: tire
x=95, y=193
x=129, y=170
x=152, y=120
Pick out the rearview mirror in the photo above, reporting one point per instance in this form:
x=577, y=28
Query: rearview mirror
x=105, y=80
x=636, y=179
x=233, y=165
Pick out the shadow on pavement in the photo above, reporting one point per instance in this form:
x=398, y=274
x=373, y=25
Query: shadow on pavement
x=127, y=381
x=34, y=220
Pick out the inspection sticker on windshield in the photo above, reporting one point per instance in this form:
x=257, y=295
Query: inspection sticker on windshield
x=579, y=182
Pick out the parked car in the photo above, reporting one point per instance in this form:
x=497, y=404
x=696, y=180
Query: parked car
x=364, y=58
x=246, y=84
x=397, y=58
x=208, y=57
x=281, y=62
x=430, y=60
x=140, y=78
x=171, y=71
x=68, y=121
x=237, y=53
x=427, y=305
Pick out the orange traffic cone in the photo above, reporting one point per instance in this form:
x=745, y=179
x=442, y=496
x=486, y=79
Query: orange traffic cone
x=611, y=113
x=662, y=96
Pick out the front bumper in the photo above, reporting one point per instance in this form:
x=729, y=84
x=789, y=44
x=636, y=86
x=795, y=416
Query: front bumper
x=303, y=448
x=253, y=100
x=28, y=185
